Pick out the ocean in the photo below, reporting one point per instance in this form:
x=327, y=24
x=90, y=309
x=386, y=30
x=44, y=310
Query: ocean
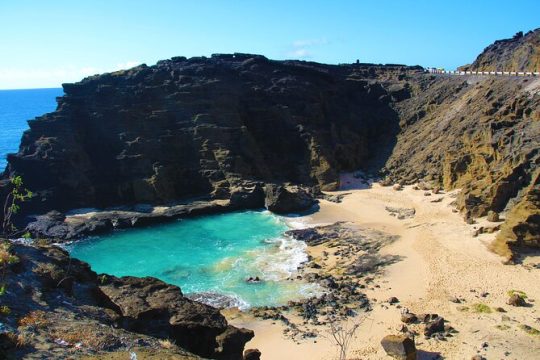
x=208, y=257
x=16, y=108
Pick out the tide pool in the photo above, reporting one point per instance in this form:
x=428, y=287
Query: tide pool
x=210, y=254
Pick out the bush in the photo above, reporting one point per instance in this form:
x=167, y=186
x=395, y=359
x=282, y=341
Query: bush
x=481, y=308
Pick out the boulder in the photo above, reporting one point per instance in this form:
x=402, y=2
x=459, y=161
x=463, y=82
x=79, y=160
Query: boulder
x=408, y=318
x=284, y=199
x=434, y=326
x=492, y=216
x=516, y=300
x=399, y=347
x=248, y=196
x=152, y=307
x=252, y=354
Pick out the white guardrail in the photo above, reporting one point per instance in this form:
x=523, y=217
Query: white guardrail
x=496, y=73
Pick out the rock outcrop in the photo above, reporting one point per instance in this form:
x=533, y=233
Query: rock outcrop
x=399, y=347
x=477, y=134
x=519, y=53
x=56, y=302
x=205, y=126
x=152, y=307
x=288, y=199
x=227, y=127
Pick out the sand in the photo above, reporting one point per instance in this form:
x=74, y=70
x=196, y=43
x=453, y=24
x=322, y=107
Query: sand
x=439, y=259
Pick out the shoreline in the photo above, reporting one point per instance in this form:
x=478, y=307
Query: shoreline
x=441, y=259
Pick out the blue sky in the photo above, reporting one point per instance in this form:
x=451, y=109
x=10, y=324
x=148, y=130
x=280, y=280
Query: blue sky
x=46, y=43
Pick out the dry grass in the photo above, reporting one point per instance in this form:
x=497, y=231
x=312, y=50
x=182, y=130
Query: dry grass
x=529, y=330
x=166, y=344
x=46, y=268
x=36, y=319
x=20, y=340
x=6, y=257
x=88, y=337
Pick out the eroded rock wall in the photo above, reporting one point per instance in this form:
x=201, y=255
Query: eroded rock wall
x=202, y=126
x=479, y=134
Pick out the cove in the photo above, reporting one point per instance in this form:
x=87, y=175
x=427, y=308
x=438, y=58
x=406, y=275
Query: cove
x=208, y=257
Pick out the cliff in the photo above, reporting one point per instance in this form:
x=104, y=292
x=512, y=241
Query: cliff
x=519, y=53
x=202, y=127
x=217, y=128
x=479, y=134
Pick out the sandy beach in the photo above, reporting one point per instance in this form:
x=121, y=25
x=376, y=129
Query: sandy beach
x=441, y=261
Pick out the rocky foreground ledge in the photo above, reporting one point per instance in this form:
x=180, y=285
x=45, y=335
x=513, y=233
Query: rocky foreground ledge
x=55, y=306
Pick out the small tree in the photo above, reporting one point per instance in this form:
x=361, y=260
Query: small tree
x=342, y=332
x=17, y=195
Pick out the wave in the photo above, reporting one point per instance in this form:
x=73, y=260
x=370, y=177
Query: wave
x=280, y=261
x=218, y=300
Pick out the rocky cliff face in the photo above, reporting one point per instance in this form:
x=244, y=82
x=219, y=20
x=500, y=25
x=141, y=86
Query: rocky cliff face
x=221, y=127
x=520, y=53
x=203, y=126
x=480, y=134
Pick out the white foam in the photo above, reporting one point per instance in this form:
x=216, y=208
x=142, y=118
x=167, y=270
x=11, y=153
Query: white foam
x=281, y=261
x=298, y=223
x=22, y=241
x=219, y=300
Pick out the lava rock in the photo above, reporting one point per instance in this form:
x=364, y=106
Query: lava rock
x=434, y=326
x=408, y=318
x=399, y=347
x=283, y=199
x=252, y=354
x=152, y=307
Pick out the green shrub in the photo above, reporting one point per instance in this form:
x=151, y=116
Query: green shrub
x=481, y=308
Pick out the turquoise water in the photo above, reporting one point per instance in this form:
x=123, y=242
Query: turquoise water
x=18, y=106
x=208, y=254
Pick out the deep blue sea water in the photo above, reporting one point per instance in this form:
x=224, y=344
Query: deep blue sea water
x=18, y=106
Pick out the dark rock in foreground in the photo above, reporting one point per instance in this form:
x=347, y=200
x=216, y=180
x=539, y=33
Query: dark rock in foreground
x=152, y=307
x=67, y=307
x=252, y=354
x=399, y=347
